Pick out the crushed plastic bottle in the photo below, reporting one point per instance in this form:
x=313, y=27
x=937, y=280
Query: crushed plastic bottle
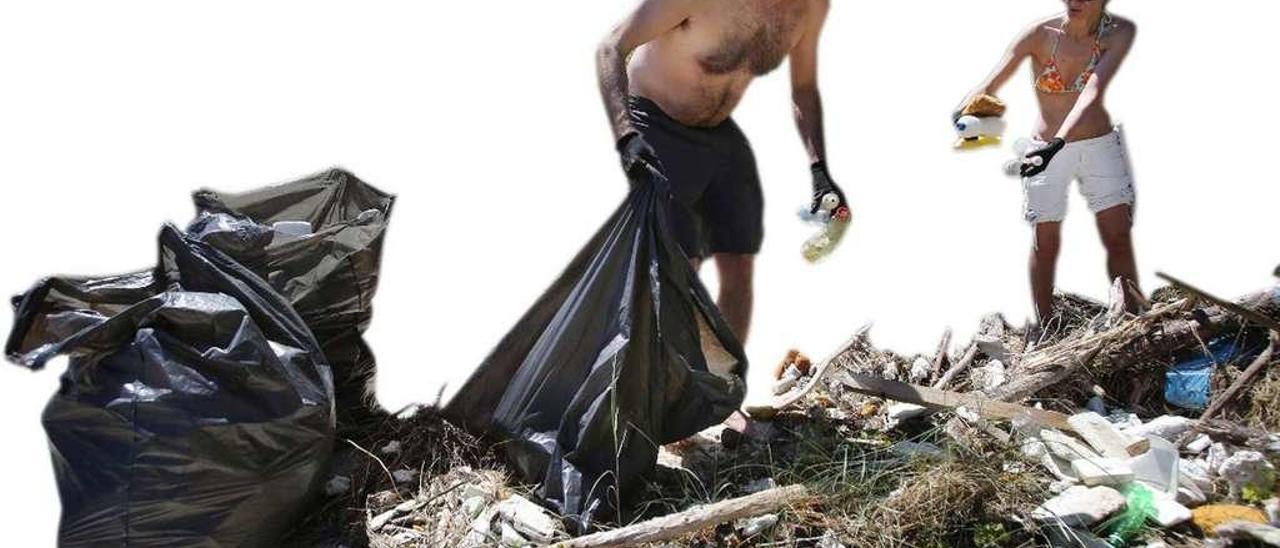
x=834, y=219
x=1013, y=168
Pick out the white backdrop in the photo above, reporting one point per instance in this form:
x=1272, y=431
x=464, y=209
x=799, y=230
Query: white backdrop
x=484, y=118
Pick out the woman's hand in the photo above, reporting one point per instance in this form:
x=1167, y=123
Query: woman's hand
x=1031, y=167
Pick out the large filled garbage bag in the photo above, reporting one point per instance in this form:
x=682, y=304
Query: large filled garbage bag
x=317, y=241
x=625, y=352
x=196, y=408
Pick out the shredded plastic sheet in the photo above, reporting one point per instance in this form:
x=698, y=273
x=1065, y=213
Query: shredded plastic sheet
x=196, y=408
x=624, y=352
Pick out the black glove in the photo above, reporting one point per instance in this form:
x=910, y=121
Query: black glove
x=1045, y=154
x=822, y=185
x=636, y=154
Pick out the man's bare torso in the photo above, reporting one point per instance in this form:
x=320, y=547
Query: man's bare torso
x=698, y=71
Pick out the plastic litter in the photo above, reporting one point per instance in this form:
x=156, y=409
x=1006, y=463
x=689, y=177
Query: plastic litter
x=624, y=352
x=196, y=408
x=1140, y=506
x=1187, y=383
x=317, y=241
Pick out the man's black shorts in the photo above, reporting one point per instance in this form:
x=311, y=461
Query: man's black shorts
x=713, y=176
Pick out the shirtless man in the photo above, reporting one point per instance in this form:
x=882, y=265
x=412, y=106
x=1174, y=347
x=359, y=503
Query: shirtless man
x=671, y=74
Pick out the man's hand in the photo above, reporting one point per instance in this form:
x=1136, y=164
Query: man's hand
x=636, y=155
x=823, y=185
x=1031, y=168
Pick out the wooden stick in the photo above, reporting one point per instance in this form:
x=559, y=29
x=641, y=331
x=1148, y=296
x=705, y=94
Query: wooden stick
x=692, y=520
x=768, y=411
x=940, y=357
x=1234, y=308
x=1260, y=363
x=959, y=366
x=933, y=397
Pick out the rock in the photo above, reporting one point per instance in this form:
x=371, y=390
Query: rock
x=783, y=386
x=483, y=524
x=337, y=485
x=1103, y=471
x=1081, y=506
x=511, y=537
x=1096, y=405
x=762, y=484
x=1169, y=512
x=1247, y=469
x=964, y=413
x=1272, y=506
x=750, y=527
x=471, y=507
x=890, y=371
x=1103, y=437
x=1169, y=427
x=404, y=475
x=1060, y=468
x=1123, y=419
x=992, y=374
x=830, y=540
x=1060, y=486
x=1195, y=473
x=1190, y=496
x=992, y=347
x=1218, y=454
x=391, y=448
x=1243, y=530
x=1066, y=447
x=1207, y=518
x=919, y=370
x=899, y=412
x=915, y=449
x=1199, y=444
x=528, y=518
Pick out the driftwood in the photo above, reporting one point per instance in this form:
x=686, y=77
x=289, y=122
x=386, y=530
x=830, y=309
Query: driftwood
x=819, y=373
x=935, y=398
x=1158, y=333
x=940, y=357
x=692, y=520
x=967, y=360
x=1260, y=363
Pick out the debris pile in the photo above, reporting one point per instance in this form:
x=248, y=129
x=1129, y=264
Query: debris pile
x=1069, y=436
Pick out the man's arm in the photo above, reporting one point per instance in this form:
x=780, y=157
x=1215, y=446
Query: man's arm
x=806, y=101
x=647, y=22
x=1097, y=84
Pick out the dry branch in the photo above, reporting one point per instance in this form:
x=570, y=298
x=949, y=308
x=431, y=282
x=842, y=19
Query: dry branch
x=692, y=520
x=969, y=356
x=1245, y=378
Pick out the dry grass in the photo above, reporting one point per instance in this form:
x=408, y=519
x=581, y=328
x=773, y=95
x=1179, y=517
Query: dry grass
x=428, y=445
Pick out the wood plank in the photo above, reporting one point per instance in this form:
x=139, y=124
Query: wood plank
x=937, y=398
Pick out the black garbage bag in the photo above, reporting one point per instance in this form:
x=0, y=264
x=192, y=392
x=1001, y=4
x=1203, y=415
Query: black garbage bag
x=318, y=241
x=196, y=408
x=625, y=352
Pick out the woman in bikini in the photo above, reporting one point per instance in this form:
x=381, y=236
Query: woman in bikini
x=1074, y=56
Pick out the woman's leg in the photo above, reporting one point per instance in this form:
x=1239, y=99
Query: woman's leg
x=1115, y=227
x=1044, y=264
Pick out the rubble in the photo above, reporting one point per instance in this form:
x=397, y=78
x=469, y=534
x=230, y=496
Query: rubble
x=1081, y=506
x=926, y=451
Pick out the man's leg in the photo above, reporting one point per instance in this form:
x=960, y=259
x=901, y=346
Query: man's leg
x=1044, y=264
x=736, y=272
x=1115, y=227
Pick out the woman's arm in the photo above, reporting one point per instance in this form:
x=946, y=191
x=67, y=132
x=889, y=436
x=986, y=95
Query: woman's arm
x=1096, y=87
x=1020, y=49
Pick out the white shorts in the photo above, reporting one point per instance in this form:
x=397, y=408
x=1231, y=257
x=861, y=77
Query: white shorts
x=1102, y=166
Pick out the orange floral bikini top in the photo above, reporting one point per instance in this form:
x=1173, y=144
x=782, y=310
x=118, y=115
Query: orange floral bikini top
x=1050, y=80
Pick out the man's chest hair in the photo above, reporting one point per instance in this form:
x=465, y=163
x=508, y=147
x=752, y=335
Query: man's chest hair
x=752, y=35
